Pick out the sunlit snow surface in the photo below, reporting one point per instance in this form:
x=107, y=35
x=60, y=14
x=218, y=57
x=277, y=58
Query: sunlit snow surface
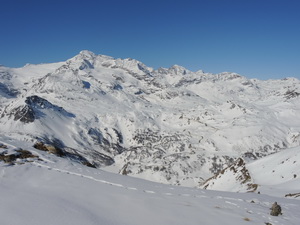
x=276, y=175
x=177, y=126
x=59, y=191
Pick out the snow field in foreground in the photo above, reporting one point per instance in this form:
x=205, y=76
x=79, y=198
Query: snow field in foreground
x=58, y=191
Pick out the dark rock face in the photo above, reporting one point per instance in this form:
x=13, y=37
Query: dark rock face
x=24, y=154
x=49, y=148
x=24, y=114
x=3, y=146
x=38, y=103
x=99, y=159
x=33, y=109
x=8, y=158
x=20, y=154
x=291, y=94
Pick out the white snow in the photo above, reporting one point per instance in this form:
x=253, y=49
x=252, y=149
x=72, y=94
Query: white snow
x=59, y=191
x=276, y=175
x=279, y=173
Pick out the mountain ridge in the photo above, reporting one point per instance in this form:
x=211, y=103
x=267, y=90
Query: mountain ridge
x=169, y=125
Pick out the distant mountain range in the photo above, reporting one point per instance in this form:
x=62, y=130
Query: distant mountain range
x=169, y=125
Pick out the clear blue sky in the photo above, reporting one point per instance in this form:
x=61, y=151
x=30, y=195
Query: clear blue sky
x=255, y=38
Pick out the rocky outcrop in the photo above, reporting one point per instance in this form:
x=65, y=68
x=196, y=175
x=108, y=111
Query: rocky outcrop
x=233, y=178
x=33, y=109
x=73, y=154
x=49, y=148
x=25, y=114
x=294, y=195
x=23, y=155
x=275, y=210
x=291, y=94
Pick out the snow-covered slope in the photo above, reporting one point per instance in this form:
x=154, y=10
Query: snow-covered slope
x=169, y=125
x=235, y=178
x=52, y=190
x=276, y=174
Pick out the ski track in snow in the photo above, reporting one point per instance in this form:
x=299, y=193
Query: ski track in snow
x=116, y=184
x=229, y=203
x=94, y=179
x=81, y=175
x=136, y=189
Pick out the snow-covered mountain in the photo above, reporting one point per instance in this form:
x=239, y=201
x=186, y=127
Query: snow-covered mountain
x=169, y=125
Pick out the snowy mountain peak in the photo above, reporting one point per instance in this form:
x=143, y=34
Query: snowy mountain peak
x=230, y=76
x=169, y=125
x=175, y=70
x=83, y=55
x=178, y=70
x=87, y=53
